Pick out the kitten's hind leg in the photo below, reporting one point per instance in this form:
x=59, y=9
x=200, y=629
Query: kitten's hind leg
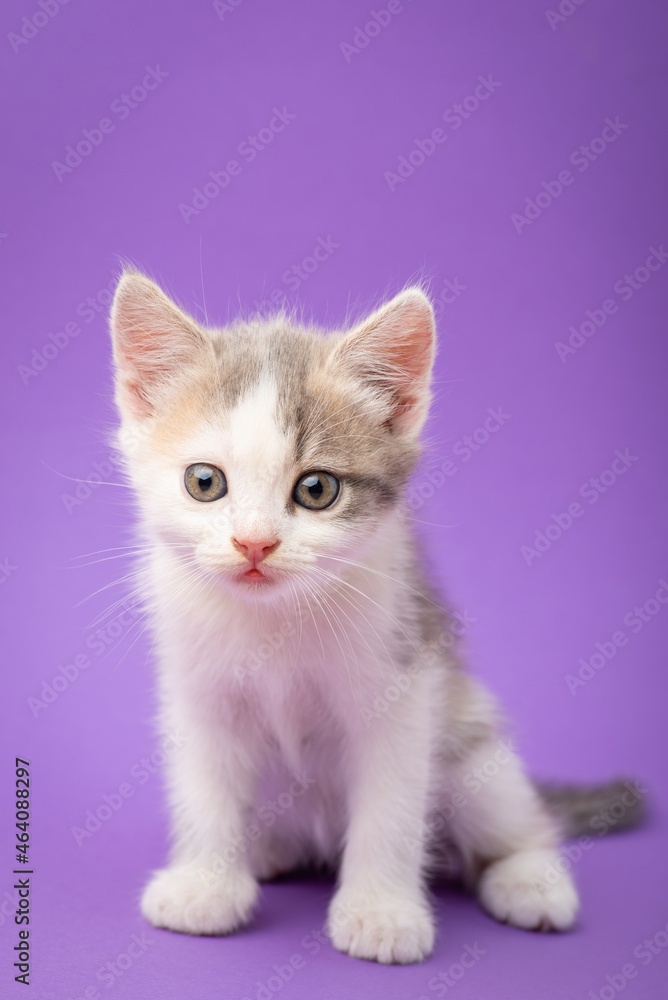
x=508, y=840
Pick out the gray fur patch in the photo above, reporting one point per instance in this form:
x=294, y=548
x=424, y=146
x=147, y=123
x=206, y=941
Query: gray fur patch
x=595, y=810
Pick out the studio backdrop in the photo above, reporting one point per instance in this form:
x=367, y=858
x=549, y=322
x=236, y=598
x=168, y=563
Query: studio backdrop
x=250, y=156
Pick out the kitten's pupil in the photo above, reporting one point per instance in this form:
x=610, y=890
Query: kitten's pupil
x=315, y=487
x=205, y=482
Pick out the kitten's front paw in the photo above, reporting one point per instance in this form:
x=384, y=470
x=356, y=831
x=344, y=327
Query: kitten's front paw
x=381, y=928
x=528, y=890
x=179, y=900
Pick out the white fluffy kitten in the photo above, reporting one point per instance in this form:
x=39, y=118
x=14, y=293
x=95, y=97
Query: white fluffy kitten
x=302, y=657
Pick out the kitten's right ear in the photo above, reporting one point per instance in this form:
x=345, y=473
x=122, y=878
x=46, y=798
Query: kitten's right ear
x=152, y=339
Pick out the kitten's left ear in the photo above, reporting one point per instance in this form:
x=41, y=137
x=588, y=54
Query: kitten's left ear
x=153, y=340
x=393, y=351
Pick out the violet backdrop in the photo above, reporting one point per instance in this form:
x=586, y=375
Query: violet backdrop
x=521, y=258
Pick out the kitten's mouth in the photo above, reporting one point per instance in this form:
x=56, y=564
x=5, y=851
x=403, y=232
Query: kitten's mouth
x=255, y=576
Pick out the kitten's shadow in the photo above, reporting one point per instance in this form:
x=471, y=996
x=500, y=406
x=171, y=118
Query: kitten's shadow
x=305, y=873
x=323, y=880
x=272, y=910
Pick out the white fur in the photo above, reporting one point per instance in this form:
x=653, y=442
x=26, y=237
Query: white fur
x=335, y=742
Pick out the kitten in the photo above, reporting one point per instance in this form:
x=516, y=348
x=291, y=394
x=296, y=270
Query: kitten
x=303, y=658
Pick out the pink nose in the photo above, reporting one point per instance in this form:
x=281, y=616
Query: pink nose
x=254, y=550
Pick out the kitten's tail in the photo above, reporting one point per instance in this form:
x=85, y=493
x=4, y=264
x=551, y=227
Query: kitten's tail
x=595, y=809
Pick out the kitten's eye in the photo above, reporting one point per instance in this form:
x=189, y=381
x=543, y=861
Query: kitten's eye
x=205, y=482
x=317, y=490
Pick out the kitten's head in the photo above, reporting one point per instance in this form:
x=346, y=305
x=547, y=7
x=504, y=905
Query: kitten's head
x=267, y=453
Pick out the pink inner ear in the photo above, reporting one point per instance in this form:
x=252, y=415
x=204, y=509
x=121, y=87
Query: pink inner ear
x=393, y=350
x=411, y=345
x=153, y=340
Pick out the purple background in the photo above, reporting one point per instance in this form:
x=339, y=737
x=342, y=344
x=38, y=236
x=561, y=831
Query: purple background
x=323, y=176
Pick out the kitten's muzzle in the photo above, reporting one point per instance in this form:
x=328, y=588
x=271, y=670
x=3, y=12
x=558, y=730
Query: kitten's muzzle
x=255, y=550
